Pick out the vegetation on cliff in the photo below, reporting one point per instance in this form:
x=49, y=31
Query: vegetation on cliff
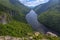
x=51, y=18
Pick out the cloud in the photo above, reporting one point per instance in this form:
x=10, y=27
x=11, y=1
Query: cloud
x=33, y=3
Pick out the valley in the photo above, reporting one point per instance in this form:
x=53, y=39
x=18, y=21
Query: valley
x=18, y=20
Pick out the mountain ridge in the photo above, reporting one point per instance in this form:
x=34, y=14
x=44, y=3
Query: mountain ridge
x=45, y=7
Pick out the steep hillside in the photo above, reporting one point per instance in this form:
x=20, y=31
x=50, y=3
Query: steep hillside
x=18, y=10
x=15, y=28
x=51, y=18
x=12, y=19
x=44, y=7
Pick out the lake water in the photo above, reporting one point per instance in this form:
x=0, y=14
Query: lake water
x=31, y=18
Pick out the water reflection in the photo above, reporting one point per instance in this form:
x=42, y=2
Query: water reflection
x=31, y=18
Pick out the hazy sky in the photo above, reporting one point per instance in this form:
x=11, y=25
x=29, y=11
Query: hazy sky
x=33, y=3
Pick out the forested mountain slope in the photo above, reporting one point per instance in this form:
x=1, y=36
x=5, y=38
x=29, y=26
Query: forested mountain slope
x=18, y=10
x=12, y=19
x=45, y=7
x=51, y=18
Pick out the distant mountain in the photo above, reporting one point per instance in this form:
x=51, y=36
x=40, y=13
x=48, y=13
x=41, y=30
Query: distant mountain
x=44, y=7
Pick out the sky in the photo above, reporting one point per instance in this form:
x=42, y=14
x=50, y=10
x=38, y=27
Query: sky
x=33, y=3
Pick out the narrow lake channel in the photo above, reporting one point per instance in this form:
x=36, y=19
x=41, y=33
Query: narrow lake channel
x=32, y=19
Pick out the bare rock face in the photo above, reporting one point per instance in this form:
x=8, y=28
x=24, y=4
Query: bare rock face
x=1, y=37
x=8, y=38
x=3, y=19
x=51, y=34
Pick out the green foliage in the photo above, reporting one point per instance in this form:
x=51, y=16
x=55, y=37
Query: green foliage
x=51, y=18
x=42, y=8
x=15, y=28
x=40, y=36
x=4, y=17
x=20, y=8
x=19, y=11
